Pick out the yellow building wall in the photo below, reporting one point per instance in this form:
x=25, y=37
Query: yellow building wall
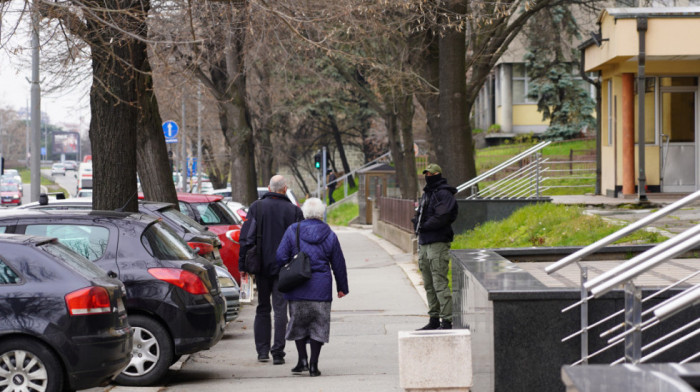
x=527, y=115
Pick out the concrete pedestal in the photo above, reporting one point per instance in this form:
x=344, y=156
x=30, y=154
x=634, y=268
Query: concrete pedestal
x=435, y=360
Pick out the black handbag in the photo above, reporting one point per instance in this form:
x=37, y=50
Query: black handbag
x=296, y=272
x=253, y=258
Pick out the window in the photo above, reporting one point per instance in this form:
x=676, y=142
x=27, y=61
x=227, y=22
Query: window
x=214, y=214
x=73, y=260
x=7, y=275
x=87, y=241
x=497, y=88
x=164, y=244
x=649, y=111
x=3, y=229
x=611, y=112
x=520, y=85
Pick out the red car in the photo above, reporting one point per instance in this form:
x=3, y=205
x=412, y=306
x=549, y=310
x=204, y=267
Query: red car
x=10, y=194
x=211, y=211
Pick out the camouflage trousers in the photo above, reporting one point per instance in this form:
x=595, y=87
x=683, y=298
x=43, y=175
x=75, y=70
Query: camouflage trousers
x=434, y=261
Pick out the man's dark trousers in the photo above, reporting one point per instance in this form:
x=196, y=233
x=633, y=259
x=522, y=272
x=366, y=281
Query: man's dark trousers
x=267, y=289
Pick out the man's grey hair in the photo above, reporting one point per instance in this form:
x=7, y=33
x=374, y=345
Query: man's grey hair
x=313, y=208
x=277, y=184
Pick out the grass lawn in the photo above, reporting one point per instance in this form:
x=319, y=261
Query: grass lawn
x=343, y=214
x=547, y=224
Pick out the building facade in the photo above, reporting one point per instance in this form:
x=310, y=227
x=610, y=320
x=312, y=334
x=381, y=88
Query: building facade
x=667, y=40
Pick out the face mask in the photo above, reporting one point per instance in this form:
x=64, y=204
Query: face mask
x=433, y=179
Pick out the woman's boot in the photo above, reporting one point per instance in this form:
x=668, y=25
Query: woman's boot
x=301, y=366
x=313, y=370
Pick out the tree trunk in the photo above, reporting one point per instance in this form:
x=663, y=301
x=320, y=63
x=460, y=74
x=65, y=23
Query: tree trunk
x=113, y=116
x=453, y=140
x=265, y=154
x=341, y=150
x=406, y=110
x=429, y=67
x=151, y=151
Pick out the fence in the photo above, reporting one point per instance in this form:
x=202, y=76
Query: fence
x=397, y=212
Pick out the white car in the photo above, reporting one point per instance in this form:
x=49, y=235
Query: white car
x=58, y=168
x=87, y=192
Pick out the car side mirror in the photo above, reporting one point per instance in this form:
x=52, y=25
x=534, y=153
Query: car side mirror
x=234, y=235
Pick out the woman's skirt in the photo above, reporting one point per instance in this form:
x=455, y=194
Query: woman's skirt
x=309, y=319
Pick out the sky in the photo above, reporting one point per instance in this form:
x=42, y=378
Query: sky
x=67, y=107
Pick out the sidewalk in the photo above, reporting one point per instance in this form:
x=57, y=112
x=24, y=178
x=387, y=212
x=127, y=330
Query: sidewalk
x=363, y=349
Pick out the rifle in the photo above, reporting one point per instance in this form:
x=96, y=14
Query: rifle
x=420, y=214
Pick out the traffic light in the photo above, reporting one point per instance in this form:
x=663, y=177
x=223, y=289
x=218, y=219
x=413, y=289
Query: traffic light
x=317, y=161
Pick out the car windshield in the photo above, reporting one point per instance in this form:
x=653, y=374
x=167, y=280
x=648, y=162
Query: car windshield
x=8, y=188
x=183, y=220
x=215, y=213
x=73, y=260
x=163, y=243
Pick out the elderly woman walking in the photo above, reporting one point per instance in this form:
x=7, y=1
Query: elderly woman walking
x=310, y=303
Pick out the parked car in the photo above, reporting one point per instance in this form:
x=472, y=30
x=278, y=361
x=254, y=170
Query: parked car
x=238, y=209
x=209, y=211
x=10, y=194
x=12, y=175
x=70, y=165
x=58, y=169
x=63, y=323
x=290, y=195
x=231, y=292
x=203, y=241
x=173, y=297
x=85, y=192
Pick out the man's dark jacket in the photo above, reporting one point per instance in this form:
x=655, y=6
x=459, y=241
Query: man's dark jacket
x=276, y=213
x=439, y=211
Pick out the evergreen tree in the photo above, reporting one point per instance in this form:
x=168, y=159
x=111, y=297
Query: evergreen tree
x=552, y=66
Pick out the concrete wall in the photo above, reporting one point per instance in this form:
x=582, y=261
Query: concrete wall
x=475, y=212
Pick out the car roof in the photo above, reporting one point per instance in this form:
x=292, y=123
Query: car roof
x=197, y=197
x=87, y=201
x=75, y=214
x=24, y=239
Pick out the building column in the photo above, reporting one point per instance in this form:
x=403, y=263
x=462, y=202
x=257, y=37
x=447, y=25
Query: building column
x=628, y=134
x=506, y=98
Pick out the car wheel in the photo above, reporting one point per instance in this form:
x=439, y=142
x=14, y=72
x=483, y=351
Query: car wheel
x=27, y=365
x=152, y=353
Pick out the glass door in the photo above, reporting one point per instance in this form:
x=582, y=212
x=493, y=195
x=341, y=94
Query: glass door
x=678, y=137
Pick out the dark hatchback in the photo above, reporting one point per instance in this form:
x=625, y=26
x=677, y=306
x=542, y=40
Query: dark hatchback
x=173, y=297
x=63, y=324
x=203, y=241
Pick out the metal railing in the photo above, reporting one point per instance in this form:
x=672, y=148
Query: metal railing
x=525, y=179
x=636, y=320
x=398, y=212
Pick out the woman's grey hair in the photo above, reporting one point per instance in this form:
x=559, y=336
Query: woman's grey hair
x=313, y=208
x=277, y=184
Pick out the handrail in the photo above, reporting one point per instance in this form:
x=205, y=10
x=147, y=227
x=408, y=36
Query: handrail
x=500, y=167
x=580, y=254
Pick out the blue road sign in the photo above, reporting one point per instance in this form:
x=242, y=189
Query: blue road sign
x=170, y=129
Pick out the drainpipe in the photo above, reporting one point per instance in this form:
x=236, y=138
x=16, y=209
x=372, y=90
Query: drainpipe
x=641, y=90
x=599, y=121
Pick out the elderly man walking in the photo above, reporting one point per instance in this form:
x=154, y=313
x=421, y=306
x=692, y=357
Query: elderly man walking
x=437, y=210
x=268, y=219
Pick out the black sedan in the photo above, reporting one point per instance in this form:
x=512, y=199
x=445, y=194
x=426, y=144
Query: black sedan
x=63, y=323
x=173, y=297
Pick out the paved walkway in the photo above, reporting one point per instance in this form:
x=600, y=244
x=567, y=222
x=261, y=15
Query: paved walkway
x=363, y=351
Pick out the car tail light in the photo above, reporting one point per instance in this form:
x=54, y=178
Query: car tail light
x=185, y=280
x=202, y=248
x=89, y=300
